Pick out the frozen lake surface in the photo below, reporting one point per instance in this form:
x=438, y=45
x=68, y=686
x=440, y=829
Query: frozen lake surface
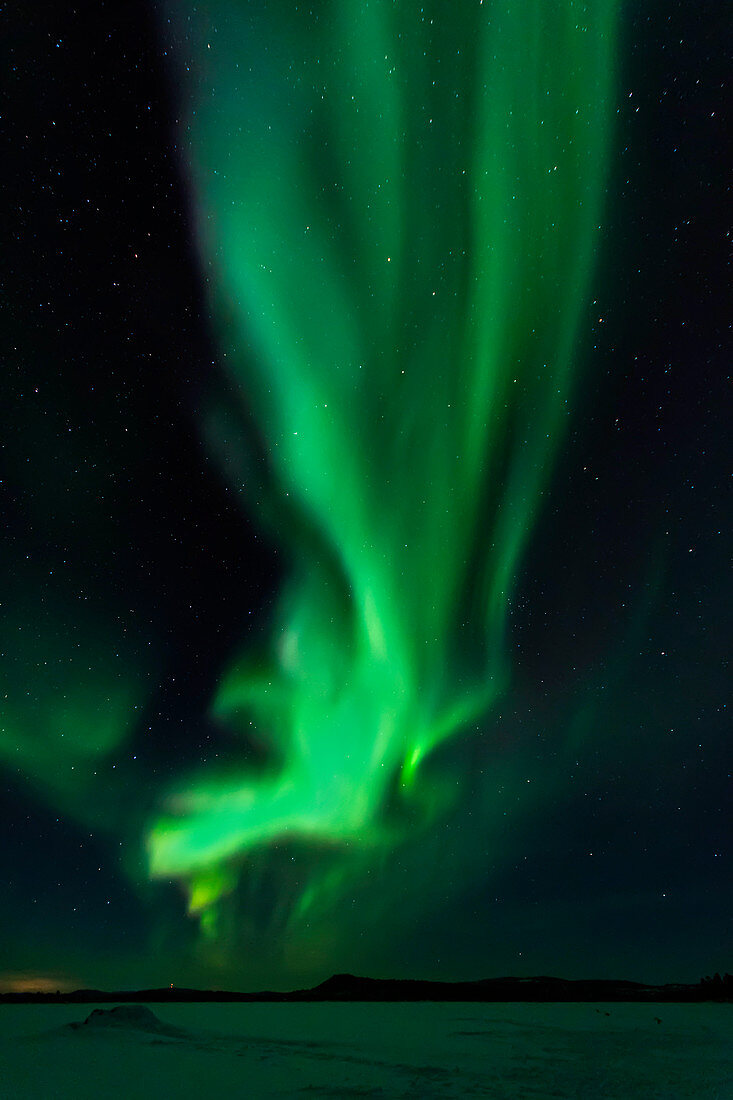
x=619, y=1051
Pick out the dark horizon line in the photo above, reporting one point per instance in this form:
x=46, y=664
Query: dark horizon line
x=350, y=987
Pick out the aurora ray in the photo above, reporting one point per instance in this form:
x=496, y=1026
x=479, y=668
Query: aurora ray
x=396, y=218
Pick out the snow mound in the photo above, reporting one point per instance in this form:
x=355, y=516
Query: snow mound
x=128, y=1017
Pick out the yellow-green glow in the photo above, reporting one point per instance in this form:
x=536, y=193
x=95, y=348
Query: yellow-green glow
x=397, y=208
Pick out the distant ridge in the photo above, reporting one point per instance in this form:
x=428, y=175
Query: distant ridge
x=348, y=987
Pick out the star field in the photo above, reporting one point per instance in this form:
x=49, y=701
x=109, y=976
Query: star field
x=363, y=495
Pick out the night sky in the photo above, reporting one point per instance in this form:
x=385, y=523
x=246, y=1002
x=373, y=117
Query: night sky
x=365, y=588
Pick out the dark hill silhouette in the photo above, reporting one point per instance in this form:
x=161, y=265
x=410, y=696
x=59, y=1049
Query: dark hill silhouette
x=349, y=987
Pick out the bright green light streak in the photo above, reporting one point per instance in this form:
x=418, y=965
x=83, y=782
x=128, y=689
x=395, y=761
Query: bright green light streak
x=397, y=213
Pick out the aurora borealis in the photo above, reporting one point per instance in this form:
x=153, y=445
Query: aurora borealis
x=399, y=228
x=348, y=603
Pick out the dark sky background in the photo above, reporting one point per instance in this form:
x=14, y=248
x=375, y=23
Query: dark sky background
x=607, y=852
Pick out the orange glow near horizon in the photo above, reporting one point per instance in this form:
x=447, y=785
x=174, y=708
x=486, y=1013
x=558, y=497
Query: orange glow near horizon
x=35, y=983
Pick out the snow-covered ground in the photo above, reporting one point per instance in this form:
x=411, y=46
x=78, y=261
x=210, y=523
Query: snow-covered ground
x=618, y=1051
